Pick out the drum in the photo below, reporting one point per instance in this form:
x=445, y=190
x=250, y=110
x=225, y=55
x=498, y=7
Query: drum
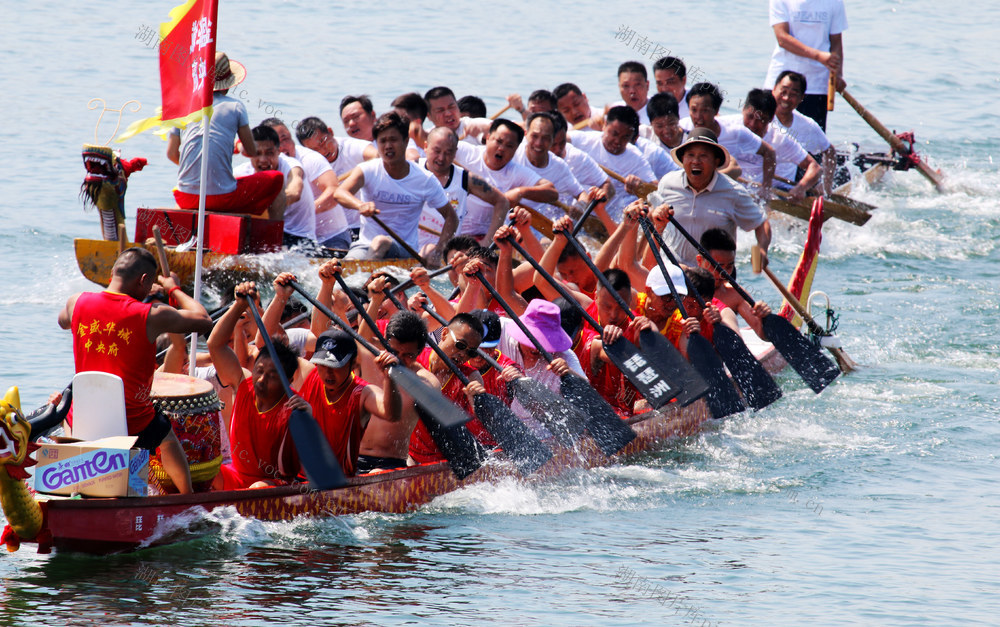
x=193, y=408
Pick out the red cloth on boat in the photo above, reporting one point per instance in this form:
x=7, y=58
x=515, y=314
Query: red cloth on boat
x=109, y=335
x=261, y=443
x=339, y=418
x=253, y=194
x=422, y=447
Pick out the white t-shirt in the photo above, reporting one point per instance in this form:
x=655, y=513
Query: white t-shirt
x=479, y=213
x=811, y=22
x=787, y=152
x=584, y=168
x=807, y=133
x=643, y=115
x=630, y=161
x=561, y=176
x=658, y=158
x=456, y=192
x=736, y=138
x=350, y=153
x=228, y=115
x=332, y=221
x=300, y=216
x=399, y=201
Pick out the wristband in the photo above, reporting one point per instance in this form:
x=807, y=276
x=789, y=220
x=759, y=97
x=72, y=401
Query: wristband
x=171, y=290
x=170, y=298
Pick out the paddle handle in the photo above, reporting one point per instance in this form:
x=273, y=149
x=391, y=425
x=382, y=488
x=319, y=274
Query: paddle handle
x=645, y=188
x=586, y=214
x=359, y=306
x=335, y=318
x=513, y=316
x=500, y=112
x=402, y=242
x=603, y=280
x=161, y=253
x=831, y=91
x=704, y=253
x=270, y=347
x=408, y=283
x=559, y=287
x=455, y=370
x=655, y=249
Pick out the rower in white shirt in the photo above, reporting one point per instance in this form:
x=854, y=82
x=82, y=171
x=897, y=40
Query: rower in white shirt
x=633, y=84
x=575, y=107
x=670, y=74
x=788, y=93
x=442, y=110
x=704, y=101
x=758, y=111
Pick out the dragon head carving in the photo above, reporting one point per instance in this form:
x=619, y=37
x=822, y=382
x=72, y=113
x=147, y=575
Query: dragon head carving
x=14, y=436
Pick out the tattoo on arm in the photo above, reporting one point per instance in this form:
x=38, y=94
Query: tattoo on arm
x=477, y=183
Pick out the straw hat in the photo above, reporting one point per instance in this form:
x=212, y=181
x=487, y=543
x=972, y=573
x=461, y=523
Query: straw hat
x=228, y=73
x=700, y=135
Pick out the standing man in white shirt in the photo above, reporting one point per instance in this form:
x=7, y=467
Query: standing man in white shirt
x=810, y=41
x=396, y=190
x=494, y=164
x=300, y=214
x=343, y=154
x=331, y=226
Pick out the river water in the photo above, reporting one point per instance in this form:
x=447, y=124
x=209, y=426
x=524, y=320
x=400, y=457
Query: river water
x=874, y=503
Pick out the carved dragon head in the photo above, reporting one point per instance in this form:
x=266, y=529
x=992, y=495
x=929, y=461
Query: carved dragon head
x=14, y=436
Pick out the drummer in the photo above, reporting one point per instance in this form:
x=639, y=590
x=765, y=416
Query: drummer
x=115, y=332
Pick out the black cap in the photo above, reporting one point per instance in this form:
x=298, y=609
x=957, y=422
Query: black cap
x=334, y=349
x=491, y=323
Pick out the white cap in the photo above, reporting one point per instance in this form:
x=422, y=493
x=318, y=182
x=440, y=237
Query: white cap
x=658, y=285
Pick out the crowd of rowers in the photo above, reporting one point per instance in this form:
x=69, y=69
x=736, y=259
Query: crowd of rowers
x=461, y=175
x=509, y=168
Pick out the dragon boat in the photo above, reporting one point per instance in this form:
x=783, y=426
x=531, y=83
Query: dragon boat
x=109, y=525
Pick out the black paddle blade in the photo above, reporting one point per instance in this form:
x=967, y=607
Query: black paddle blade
x=757, y=385
x=806, y=358
x=524, y=449
x=610, y=432
x=322, y=468
x=723, y=399
x=563, y=420
x=641, y=373
x=464, y=453
x=438, y=408
x=669, y=362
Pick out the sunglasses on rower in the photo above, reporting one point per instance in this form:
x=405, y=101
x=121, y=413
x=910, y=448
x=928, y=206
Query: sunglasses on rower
x=465, y=348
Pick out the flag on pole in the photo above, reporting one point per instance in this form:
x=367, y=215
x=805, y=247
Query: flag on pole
x=801, y=283
x=187, y=67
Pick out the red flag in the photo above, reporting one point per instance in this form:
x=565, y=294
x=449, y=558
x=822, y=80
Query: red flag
x=187, y=67
x=187, y=59
x=801, y=283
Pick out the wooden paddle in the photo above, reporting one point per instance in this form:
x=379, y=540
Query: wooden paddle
x=842, y=208
x=663, y=355
x=645, y=188
x=757, y=385
x=161, y=252
x=804, y=356
x=723, y=399
x=464, y=453
x=500, y=112
x=657, y=387
x=845, y=363
x=321, y=465
x=122, y=238
x=524, y=449
x=934, y=176
x=402, y=242
x=608, y=430
x=593, y=226
x=540, y=221
x=559, y=416
x=831, y=90
x=438, y=407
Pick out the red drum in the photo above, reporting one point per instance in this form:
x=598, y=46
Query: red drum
x=193, y=408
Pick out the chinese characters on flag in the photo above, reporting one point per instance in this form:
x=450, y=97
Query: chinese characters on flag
x=186, y=80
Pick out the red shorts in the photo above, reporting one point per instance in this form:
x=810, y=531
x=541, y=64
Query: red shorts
x=253, y=194
x=235, y=480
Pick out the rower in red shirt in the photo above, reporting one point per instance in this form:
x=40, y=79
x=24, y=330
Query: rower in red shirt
x=343, y=402
x=115, y=332
x=262, y=449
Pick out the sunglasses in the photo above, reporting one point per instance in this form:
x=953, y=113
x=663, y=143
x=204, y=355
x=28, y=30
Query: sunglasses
x=465, y=348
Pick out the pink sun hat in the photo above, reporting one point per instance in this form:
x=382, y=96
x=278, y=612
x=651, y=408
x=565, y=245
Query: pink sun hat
x=543, y=321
